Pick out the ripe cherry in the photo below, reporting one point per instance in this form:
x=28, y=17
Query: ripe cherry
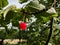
x=23, y=26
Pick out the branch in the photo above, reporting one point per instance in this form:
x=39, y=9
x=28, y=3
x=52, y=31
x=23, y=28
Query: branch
x=40, y=11
x=1, y=42
x=51, y=24
x=53, y=3
x=50, y=34
x=37, y=12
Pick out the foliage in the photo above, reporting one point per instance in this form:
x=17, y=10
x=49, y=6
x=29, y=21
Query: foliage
x=37, y=32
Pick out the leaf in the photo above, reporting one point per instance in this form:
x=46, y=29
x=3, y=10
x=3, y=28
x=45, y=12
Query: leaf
x=54, y=15
x=35, y=4
x=51, y=11
x=22, y=1
x=45, y=19
x=12, y=7
x=3, y=3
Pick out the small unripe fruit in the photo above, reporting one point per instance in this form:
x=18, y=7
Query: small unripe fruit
x=23, y=26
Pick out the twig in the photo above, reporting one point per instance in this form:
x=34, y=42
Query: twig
x=54, y=2
x=51, y=24
x=50, y=34
x=37, y=12
x=1, y=42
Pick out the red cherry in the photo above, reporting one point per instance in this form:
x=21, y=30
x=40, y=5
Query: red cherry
x=23, y=26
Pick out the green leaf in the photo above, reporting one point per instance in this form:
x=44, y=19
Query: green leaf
x=3, y=3
x=22, y=1
x=55, y=15
x=35, y=4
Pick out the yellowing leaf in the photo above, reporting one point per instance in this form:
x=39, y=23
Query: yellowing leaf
x=55, y=15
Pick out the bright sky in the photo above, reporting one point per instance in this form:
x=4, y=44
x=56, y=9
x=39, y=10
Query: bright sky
x=17, y=4
x=13, y=1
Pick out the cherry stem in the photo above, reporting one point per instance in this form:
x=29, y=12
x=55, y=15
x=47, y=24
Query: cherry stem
x=23, y=17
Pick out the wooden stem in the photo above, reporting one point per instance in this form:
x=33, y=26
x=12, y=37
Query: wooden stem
x=1, y=42
x=50, y=34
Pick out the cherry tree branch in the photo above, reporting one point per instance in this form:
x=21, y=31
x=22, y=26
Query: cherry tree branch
x=50, y=34
x=51, y=25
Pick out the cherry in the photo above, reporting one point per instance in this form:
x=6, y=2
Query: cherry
x=23, y=26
